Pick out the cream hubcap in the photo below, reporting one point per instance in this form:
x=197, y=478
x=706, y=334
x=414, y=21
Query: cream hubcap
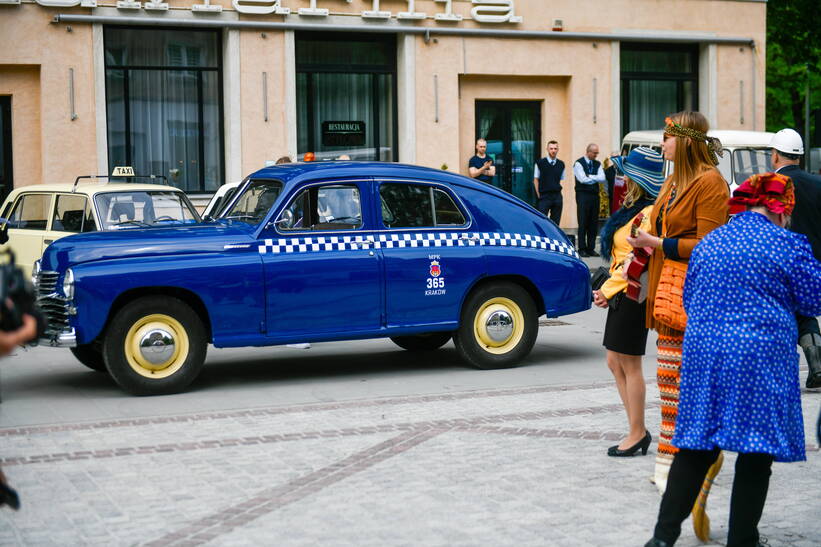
x=498, y=325
x=156, y=346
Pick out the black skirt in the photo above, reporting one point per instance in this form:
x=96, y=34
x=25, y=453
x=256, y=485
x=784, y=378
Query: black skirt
x=625, y=331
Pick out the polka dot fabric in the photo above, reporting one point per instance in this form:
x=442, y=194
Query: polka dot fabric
x=739, y=373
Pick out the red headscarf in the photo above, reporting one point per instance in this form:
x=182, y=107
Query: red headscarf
x=771, y=190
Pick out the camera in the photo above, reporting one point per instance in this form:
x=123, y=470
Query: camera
x=17, y=298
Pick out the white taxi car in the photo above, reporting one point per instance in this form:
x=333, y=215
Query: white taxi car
x=35, y=216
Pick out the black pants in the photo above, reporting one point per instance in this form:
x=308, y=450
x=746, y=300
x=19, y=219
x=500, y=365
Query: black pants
x=750, y=485
x=587, y=209
x=551, y=205
x=807, y=325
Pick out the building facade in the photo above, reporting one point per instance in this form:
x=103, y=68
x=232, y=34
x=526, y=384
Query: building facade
x=206, y=93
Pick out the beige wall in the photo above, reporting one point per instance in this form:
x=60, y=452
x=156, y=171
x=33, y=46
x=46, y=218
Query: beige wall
x=63, y=148
x=262, y=140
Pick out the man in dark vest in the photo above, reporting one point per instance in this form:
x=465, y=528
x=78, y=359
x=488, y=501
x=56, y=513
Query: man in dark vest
x=588, y=174
x=787, y=149
x=548, y=175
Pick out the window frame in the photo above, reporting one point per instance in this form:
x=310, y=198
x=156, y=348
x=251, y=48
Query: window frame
x=309, y=69
x=219, y=70
x=365, y=209
x=49, y=213
x=88, y=207
x=457, y=200
x=625, y=77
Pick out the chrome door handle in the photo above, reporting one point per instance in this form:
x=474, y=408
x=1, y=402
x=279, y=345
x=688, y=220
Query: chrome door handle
x=471, y=237
x=364, y=241
x=48, y=241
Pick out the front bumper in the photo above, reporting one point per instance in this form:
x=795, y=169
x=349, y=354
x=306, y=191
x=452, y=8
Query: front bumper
x=61, y=339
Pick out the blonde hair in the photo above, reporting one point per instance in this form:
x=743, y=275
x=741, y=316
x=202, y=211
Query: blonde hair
x=634, y=193
x=692, y=157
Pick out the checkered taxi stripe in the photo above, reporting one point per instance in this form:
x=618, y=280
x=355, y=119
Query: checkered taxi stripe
x=401, y=241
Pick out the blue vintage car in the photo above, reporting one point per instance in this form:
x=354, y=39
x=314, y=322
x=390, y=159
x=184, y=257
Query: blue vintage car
x=314, y=252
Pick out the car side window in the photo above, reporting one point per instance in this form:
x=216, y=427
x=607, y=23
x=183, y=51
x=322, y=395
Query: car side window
x=320, y=208
x=31, y=212
x=418, y=206
x=70, y=214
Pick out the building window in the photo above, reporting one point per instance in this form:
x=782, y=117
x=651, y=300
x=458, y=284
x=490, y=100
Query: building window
x=164, y=104
x=346, y=96
x=656, y=80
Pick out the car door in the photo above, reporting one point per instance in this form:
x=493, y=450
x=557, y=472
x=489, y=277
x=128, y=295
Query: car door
x=431, y=259
x=322, y=271
x=28, y=222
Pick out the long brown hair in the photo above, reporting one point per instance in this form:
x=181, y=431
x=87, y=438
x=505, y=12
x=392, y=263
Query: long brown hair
x=692, y=157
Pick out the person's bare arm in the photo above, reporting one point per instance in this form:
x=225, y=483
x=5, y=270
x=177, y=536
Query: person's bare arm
x=10, y=340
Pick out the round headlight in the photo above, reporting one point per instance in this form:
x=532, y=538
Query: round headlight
x=68, y=284
x=35, y=274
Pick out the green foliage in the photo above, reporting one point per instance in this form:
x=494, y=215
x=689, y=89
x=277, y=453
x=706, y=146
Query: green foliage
x=793, y=52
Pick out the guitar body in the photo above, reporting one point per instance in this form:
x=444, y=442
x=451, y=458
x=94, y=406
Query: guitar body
x=637, y=270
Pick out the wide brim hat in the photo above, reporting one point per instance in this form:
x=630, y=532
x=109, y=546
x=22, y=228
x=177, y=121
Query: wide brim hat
x=645, y=167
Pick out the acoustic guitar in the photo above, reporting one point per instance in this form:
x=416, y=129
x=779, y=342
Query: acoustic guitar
x=637, y=270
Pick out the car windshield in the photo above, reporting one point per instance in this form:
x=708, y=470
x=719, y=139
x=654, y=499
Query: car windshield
x=254, y=202
x=120, y=210
x=750, y=161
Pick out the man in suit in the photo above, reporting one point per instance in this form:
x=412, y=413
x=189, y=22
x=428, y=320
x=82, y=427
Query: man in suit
x=787, y=148
x=589, y=174
x=548, y=175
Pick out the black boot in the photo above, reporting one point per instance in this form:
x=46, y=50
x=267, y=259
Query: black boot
x=656, y=542
x=811, y=344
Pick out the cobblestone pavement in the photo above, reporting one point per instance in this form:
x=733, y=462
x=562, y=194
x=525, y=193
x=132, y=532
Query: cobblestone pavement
x=514, y=466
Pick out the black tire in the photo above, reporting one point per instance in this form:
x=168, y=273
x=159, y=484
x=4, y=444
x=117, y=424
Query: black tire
x=91, y=355
x=422, y=342
x=129, y=366
x=473, y=340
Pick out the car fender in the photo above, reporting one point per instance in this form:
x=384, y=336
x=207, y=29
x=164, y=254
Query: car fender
x=103, y=287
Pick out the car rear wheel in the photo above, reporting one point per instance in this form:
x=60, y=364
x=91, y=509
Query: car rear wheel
x=422, y=342
x=498, y=326
x=155, y=346
x=91, y=355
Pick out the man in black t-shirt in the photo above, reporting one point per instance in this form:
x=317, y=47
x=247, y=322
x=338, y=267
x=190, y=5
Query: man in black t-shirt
x=481, y=165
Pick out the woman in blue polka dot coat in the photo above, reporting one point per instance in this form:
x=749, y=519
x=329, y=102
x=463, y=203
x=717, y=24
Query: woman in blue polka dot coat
x=739, y=373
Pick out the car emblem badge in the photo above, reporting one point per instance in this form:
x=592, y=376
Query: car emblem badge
x=435, y=270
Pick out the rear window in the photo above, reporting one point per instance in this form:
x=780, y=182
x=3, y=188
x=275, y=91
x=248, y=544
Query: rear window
x=418, y=206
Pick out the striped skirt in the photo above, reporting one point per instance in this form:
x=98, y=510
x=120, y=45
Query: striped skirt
x=668, y=375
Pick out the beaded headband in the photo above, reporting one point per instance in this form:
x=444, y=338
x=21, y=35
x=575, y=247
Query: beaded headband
x=713, y=144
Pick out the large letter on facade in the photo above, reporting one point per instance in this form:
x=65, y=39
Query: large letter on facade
x=494, y=11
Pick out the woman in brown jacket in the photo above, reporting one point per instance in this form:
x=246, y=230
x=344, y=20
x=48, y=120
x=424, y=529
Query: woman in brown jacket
x=692, y=202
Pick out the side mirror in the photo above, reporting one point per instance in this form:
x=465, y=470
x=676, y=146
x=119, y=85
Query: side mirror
x=286, y=220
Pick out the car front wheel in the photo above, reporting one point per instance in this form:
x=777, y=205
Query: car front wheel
x=155, y=346
x=498, y=326
x=422, y=342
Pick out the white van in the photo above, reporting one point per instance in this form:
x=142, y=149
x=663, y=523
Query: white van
x=745, y=152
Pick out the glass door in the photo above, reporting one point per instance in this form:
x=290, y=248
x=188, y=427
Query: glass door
x=512, y=132
x=6, y=174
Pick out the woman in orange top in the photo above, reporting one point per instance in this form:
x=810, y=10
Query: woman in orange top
x=692, y=202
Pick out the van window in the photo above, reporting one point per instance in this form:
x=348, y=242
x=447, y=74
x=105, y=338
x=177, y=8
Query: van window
x=750, y=161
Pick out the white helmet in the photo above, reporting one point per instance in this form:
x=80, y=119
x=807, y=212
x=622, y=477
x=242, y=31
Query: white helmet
x=788, y=141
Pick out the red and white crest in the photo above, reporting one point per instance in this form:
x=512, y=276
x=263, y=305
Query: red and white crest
x=435, y=270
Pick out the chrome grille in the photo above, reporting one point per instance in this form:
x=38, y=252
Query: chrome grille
x=47, y=283
x=54, y=307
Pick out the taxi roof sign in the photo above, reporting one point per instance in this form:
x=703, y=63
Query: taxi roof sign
x=123, y=171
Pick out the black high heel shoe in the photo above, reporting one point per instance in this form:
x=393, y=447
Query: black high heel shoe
x=642, y=445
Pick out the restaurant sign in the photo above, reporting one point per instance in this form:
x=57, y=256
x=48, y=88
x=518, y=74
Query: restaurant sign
x=483, y=11
x=343, y=133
